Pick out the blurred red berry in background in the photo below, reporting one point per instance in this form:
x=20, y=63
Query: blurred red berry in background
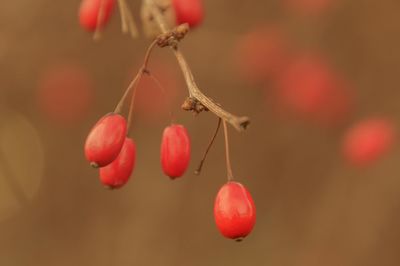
x=65, y=93
x=310, y=89
x=151, y=102
x=188, y=11
x=309, y=7
x=89, y=12
x=261, y=53
x=368, y=140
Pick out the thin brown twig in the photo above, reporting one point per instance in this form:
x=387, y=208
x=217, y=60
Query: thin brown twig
x=198, y=170
x=118, y=108
x=240, y=123
x=163, y=92
x=100, y=17
x=135, y=85
x=122, y=10
x=227, y=155
x=128, y=23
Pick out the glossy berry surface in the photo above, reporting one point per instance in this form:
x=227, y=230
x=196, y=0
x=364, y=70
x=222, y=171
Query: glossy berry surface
x=234, y=211
x=188, y=11
x=117, y=173
x=89, y=12
x=368, y=141
x=105, y=140
x=175, y=151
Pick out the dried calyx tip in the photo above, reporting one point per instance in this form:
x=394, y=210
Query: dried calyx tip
x=94, y=165
x=181, y=30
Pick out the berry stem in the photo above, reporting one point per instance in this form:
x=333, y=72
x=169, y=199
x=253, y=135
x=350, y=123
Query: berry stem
x=239, y=123
x=135, y=84
x=163, y=92
x=136, y=79
x=127, y=21
x=228, y=159
x=198, y=170
x=122, y=11
x=100, y=16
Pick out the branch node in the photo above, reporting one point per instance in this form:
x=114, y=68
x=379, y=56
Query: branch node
x=197, y=101
x=173, y=37
x=193, y=105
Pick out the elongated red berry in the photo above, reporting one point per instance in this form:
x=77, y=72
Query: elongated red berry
x=105, y=140
x=89, y=12
x=117, y=173
x=175, y=151
x=234, y=211
x=368, y=141
x=188, y=11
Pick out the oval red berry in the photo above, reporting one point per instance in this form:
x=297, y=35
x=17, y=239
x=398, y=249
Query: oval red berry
x=234, y=211
x=117, y=173
x=105, y=140
x=368, y=141
x=188, y=11
x=175, y=151
x=89, y=12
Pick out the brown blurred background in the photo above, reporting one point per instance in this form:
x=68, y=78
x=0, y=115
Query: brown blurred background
x=312, y=207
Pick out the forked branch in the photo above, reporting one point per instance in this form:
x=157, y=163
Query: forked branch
x=240, y=123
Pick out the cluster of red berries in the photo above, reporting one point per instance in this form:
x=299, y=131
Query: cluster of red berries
x=304, y=85
x=107, y=147
x=97, y=13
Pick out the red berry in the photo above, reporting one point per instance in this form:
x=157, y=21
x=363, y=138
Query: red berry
x=188, y=11
x=261, y=53
x=368, y=141
x=152, y=102
x=89, y=12
x=117, y=173
x=105, y=140
x=234, y=211
x=65, y=93
x=311, y=89
x=175, y=151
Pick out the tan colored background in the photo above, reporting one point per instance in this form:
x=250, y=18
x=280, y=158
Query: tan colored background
x=312, y=209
